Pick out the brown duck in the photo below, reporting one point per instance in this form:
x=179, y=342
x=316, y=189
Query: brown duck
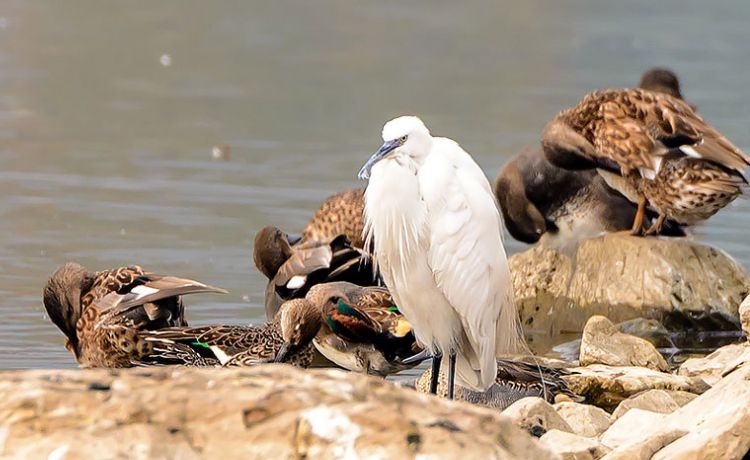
x=538, y=198
x=102, y=313
x=339, y=214
x=287, y=338
x=362, y=329
x=654, y=149
x=293, y=269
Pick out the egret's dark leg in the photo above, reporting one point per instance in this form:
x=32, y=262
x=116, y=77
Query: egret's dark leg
x=451, y=372
x=435, y=376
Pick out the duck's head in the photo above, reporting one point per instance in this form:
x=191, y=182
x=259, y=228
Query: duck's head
x=326, y=296
x=662, y=81
x=523, y=219
x=405, y=135
x=62, y=300
x=300, y=322
x=270, y=250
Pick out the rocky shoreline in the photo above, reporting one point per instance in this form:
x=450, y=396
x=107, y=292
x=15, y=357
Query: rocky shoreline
x=277, y=411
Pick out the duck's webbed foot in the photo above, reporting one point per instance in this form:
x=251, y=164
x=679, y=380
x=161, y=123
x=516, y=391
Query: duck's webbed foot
x=655, y=228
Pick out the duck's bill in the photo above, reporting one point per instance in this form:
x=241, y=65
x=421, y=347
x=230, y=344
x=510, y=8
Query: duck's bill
x=385, y=149
x=281, y=354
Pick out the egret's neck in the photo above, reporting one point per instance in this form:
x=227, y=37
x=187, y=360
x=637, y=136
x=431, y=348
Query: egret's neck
x=394, y=210
x=419, y=148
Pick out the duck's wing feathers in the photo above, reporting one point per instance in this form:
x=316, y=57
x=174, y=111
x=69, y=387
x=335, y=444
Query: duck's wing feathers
x=219, y=343
x=228, y=337
x=377, y=303
x=150, y=287
x=638, y=128
x=304, y=260
x=340, y=214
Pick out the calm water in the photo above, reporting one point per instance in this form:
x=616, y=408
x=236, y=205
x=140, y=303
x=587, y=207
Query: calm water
x=109, y=111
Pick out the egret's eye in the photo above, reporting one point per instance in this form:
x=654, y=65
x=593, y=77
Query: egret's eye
x=402, y=139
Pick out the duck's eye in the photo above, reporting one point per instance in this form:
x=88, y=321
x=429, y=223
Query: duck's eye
x=335, y=299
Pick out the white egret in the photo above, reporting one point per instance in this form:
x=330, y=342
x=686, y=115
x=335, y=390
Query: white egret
x=437, y=235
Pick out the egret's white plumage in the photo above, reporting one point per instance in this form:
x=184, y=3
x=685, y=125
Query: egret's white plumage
x=437, y=235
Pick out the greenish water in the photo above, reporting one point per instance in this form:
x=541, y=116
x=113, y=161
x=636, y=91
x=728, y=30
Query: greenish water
x=105, y=151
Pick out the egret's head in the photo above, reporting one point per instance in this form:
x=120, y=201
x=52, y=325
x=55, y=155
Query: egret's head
x=405, y=135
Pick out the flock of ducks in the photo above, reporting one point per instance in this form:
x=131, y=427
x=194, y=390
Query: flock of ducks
x=639, y=159
x=618, y=160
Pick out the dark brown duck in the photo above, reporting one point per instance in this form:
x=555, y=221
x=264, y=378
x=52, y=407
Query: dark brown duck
x=102, y=313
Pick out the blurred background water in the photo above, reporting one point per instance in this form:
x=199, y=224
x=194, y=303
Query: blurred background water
x=109, y=112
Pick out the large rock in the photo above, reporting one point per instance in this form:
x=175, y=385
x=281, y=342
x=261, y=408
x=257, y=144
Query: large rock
x=676, y=281
x=744, y=313
x=715, y=425
x=659, y=401
x=607, y=386
x=635, y=424
x=572, y=446
x=270, y=411
x=584, y=419
x=713, y=367
x=536, y=416
x=602, y=343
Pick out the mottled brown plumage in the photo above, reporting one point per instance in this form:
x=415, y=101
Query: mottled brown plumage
x=314, y=262
x=515, y=380
x=102, y=313
x=362, y=328
x=537, y=197
x=651, y=147
x=290, y=334
x=339, y=214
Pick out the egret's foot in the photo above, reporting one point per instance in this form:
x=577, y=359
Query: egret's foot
x=435, y=376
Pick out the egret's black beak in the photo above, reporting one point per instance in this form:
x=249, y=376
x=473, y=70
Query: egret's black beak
x=281, y=354
x=385, y=149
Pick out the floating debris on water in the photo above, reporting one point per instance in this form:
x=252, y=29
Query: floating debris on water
x=221, y=152
x=165, y=60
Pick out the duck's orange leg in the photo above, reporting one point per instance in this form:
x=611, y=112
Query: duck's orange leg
x=655, y=228
x=637, y=229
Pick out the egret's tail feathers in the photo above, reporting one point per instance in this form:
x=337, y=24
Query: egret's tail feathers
x=474, y=377
x=475, y=368
x=509, y=338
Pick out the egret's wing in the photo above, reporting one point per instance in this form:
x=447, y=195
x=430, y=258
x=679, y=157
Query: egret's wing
x=466, y=254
